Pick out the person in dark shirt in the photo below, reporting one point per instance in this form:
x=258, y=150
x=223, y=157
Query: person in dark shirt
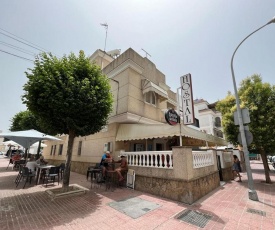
x=106, y=158
x=236, y=168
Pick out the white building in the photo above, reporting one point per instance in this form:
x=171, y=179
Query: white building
x=209, y=118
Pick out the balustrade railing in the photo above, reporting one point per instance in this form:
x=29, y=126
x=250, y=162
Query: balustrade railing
x=154, y=159
x=202, y=158
x=164, y=159
x=227, y=156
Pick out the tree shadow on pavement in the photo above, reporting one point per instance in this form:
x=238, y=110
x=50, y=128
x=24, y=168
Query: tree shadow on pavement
x=37, y=211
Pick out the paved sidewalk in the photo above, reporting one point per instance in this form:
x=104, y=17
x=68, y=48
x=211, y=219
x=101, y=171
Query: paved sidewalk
x=225, y=208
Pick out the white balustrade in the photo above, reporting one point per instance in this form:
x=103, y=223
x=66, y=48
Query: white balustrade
x=227, y=156
x=202, y=158
x=153, y=159
x=164, y=159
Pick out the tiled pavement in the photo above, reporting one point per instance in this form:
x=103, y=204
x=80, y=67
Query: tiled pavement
x=31, y=208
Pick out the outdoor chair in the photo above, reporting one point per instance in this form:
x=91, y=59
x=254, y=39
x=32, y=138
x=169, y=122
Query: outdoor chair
x=10, y=162
x=27, y=174
x=18, y=163
x=91, y=168
x=62, y=167
x=20, y=172
x=50, y=176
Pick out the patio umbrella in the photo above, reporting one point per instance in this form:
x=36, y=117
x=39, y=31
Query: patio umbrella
x=37, y=144
x=11, y=143
x=28, y=137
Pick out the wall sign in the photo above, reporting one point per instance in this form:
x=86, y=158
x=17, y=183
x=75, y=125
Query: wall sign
x=187, y=99
x=172, y=117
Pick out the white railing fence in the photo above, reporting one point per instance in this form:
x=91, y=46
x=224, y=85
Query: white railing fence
x=227, y=156
x=153, y=159
x=202, y=158
x=164, y=159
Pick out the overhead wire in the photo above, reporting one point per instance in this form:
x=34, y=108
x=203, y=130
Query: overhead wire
x=14, y=37
x=24, y=40
x=16, y=55
x=18, y=48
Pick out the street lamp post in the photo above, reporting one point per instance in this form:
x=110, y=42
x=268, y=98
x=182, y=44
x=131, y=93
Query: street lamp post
x=252, y=194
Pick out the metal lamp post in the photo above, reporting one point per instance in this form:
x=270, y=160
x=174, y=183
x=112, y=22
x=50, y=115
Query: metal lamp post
x=251, y=193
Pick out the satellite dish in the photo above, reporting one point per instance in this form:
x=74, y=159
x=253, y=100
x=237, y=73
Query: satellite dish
x=114, y=53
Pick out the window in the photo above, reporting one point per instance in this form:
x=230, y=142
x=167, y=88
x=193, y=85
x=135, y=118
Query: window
x=54, y=149
x=197, y=123
x=150, y=97
x=218, y=122
x=60, y=149
x=51, y=150
x=79, y=148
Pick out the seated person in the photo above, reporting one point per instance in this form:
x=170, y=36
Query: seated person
x=41, y=161
x=106, y=158
x=15, y=160
x=122, y=168
x=16, y=157
x=31, y=165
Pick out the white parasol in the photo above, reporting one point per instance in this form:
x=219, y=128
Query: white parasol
x=28, y=137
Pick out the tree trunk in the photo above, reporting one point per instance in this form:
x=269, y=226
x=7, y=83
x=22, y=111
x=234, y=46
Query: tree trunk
x=66, y=178
x=266, y=167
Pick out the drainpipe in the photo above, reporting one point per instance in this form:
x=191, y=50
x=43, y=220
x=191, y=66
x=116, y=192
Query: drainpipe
x=117, y=93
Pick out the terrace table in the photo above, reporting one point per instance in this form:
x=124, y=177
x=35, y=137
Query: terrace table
x=39, y=168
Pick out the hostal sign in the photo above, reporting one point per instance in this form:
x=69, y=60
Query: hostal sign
x=187, y=99
x=172, y=117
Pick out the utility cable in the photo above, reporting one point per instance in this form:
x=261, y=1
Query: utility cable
x=16, y=55
x=22, y=42
x=18, y=48
x=34, y=45
x=24, y=39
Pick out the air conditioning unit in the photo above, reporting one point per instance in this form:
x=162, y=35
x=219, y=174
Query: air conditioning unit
x=108, y=147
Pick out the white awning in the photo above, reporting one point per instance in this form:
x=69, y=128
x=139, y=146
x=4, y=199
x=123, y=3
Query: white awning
x=140, y=131
x=150, y=86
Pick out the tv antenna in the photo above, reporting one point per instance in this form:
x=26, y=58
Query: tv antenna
x=146, y=53
x=105, y=25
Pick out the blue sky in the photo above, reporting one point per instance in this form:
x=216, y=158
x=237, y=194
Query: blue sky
x=182, y=36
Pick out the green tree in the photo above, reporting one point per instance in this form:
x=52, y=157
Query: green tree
x=259, y=99
x=24, y=120
x=69, y=96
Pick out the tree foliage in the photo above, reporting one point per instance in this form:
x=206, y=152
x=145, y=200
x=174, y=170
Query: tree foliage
x=259, y=99
x=24, y=120
x=69, y=96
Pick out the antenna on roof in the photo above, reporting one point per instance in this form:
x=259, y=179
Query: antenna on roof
x=146, y=53
x=105, y=25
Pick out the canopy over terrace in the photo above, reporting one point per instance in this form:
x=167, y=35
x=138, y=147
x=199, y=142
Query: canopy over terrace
x=28, y=137
x=128, y=132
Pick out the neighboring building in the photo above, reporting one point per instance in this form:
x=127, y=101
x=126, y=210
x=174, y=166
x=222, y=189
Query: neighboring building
x=210, y=120
x=137, y=123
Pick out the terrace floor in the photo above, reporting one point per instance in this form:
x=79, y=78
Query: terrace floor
x=228, y=207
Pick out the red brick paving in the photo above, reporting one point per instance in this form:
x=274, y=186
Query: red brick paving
x=31, y=208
